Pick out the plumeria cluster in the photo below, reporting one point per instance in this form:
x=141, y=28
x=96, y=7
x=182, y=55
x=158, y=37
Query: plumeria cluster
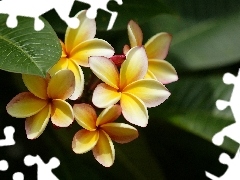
x=124, y=84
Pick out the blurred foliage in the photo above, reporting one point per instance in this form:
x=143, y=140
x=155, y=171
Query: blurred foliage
x=176, y=144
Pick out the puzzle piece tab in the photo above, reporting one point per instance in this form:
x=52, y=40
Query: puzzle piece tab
x=9, y=140
x=34, y=9
x=232, y=131
x=16, y=176
x=229, y=78
x=44, y=170
x=232, y=172
x=101, y=4
x=3, y=165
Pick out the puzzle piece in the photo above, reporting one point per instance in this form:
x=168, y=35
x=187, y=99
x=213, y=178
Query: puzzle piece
x=44, y=170
x=35, y=8
x=16, y=175
x=232, y=172
x=3, y=165
x=8, y=132
x=101, y=4
x=235, y=98
x=232, y=131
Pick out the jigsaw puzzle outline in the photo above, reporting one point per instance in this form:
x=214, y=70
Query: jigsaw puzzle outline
x=35, y=8
x=232, y=131
x=44, y=170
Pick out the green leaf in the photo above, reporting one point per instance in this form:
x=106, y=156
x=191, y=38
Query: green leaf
x=191, y=107
x=24, y=50
x=213, y=43
x=209, y=44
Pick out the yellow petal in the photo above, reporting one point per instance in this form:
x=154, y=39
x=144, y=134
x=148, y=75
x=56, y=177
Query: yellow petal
x=92, y=47
x=104, y=96
x=150, y=75
x=157, y=47
x=150, y=91
x=64, y=53
x=79, y=79
x=109, y=114
x=105, y=70
x=120, y=132
x=61, y=113
x=60, y=65
x=134, y=67
x=135, y=34
x=61, y=85
x=162, y=70
x=25, y=105
x=85, y=31
x=84, y=141
x=134, y=110
x=85, y=115
x=36, y=85
x=36, y=124
x=104, y=151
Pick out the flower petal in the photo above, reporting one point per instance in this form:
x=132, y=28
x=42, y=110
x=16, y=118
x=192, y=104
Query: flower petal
x=85, y=31
x=35, y=125
x=150, y=91
x=109, y=114
x=61, y=113
x=60, y=65
x=120, y=132
x=25, y=105
x=84, y=141
x=64, y=53
x=150, y=75
x=36, y=85
x=135, y=34
x=105, y=70
x=162, y=70
x=126, y=48
x=134, y=67
x=104, y=151
x=79, y=79
x=157, y=46
x=92, y=47
x=104, y=96
x=85, y=115
x=134, y=110
x=61, y=85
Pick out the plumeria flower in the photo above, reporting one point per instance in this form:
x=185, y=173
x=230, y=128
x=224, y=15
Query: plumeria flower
x=157, y=50
x=45, y=100
x=99, y=132
x=79, y=45
x=134, y=93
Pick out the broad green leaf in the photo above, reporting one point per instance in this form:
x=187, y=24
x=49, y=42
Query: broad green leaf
x=191, y=106
x=201, y=45
x=24, y=50
x=209, y=44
